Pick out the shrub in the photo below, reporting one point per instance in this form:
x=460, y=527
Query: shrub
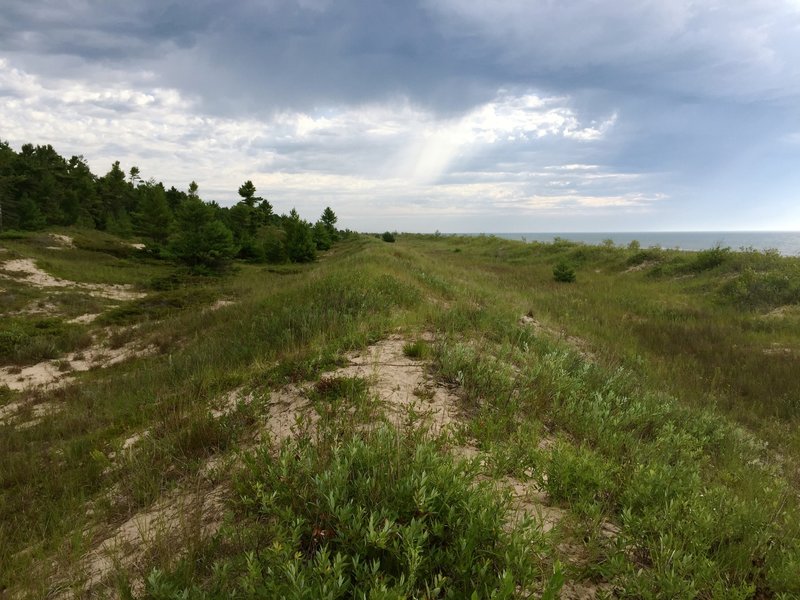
x=388, y=236
x=564, y=273
x=27, y=341
x=753, y=289
x=708, y=259
x=377, y=516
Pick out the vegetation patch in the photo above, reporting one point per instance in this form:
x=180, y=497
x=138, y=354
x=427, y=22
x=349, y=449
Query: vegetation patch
x=382, y=516
x=24, y=341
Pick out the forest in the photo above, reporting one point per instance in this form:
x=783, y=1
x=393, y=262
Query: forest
x=40, y=188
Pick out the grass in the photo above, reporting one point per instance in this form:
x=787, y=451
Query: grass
x=658, y=403
x=30, y=340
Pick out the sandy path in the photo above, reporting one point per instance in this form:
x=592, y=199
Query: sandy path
x=401, y=384
x=25, y=270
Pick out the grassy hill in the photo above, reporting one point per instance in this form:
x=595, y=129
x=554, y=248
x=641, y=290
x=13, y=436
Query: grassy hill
x=433, y=418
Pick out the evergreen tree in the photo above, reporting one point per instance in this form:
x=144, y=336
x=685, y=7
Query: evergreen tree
x=248, y=191
x=30, y=217
x=83, y=189
x=115, y=192
x=154, y=219
x=202, y=241
x=192, y=193
x=329, y=219
x=322, y=236
x=300, y=246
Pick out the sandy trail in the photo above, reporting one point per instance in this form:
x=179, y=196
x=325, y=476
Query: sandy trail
x=402, y=386
x=25, y=270
x=56, y=372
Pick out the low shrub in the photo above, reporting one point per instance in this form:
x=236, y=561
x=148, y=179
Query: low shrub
x=26, y=341
x=378, y=516
x=563, y=273
x=753, y=289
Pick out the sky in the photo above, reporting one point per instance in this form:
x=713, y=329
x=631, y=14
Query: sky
x=423, y=115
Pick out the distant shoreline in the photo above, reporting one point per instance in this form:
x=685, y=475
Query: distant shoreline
x=786, y=243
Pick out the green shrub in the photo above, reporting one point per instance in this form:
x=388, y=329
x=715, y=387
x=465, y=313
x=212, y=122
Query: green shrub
x=27, y=341
x=378, y=516
x=708, y=259
x=388, y=236
x=564, y=273
x=753, y=289
x=639, y=256
x=578, y=476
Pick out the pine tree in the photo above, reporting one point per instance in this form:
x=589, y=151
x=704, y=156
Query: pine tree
x=300, y=244
x=154, y=219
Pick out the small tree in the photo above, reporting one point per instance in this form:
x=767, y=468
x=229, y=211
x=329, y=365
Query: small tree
x=329, y=219
x=563, y=272
x=192, y=193
x=30, y=216
x=388, y=236
x=300, y=245
x=202, y=241
x=322, y=236
x=134, y=175
x=154, y=217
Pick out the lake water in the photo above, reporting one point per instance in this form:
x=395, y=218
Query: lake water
x=785, y=242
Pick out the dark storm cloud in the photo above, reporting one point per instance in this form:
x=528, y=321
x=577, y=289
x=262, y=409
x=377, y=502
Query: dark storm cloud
x=449, y=54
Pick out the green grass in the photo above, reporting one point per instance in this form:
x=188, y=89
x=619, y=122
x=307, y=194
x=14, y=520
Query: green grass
x=30, y=340
x=660, y=402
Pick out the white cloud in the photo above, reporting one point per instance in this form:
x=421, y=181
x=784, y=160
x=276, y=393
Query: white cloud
x=372, y=162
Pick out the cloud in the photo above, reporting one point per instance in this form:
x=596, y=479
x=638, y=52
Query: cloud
x=377, y=159
x=672, y=109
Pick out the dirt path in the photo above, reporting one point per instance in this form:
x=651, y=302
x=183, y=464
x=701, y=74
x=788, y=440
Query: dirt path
x=55, y=373
x=25, y=270
x=400, y=384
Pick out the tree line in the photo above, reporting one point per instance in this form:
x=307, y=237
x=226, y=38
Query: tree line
x=40, y=188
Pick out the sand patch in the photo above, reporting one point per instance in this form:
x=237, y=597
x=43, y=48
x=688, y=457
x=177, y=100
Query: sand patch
x=585, y=591
x=290, y=412
x=84, y=319
x=131, y=441
x=25, y=270
x=776, y=349
x=39, y=307
x=642, y=266
x=527, y=501
x=56, y=372
x=177, y=517
x=782, y=312
x=10, y=409
x=402, y=385
x=228, y=403
x=64, y=241
x=39, y=412
x=221, y=304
